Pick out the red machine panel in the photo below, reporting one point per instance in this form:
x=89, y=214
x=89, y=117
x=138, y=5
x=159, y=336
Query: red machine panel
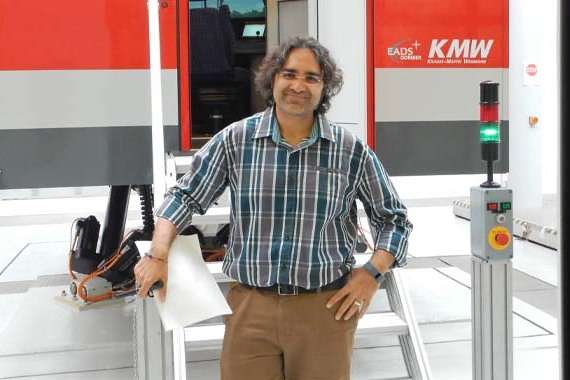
x=443, y=33
x=82, y=35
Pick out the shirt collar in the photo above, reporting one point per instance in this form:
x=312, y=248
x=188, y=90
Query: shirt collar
x=268, y=123
x=264, y=125
x=325, y=129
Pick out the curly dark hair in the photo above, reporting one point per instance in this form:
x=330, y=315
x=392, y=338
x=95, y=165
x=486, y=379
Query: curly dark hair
x=274, y=62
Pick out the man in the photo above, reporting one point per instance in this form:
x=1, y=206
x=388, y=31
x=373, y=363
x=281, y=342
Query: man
x=294, y=180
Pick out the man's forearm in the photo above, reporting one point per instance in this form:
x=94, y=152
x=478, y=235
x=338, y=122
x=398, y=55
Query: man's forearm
x=164, y=235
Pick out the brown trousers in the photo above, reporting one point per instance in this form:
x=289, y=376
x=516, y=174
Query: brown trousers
x=272, y=337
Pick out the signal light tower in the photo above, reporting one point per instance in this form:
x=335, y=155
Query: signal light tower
x=489, y=128
x=492, y=251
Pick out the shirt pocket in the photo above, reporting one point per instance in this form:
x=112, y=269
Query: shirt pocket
x=329, y=187
x=249, y=190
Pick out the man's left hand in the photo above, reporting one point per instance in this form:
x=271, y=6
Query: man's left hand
x=357, y=295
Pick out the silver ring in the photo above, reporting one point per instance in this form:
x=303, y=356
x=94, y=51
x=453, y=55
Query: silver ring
x=358, y=304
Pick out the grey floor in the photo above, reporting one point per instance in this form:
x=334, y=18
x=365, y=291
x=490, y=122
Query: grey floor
x=41, y=338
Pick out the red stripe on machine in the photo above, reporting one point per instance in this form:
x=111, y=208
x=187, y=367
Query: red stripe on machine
x=82, y=35
x=185, y=111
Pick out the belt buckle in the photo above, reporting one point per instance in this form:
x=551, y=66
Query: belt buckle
x=287, y=290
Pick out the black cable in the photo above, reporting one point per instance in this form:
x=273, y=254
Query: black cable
x=147, y=202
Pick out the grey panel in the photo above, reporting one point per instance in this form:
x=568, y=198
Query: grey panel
x=66, y=157
x=434, y=94
x=436, y=148
x=82, y=98
x=293, y=19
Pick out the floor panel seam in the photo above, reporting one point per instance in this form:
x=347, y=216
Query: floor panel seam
x=14, y=259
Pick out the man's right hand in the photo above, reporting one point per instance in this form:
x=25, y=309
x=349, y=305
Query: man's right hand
x=147, y=272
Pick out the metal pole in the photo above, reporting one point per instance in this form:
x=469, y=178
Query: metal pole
x=158, y=156
x=492, y=251
x=491, y=283
x=115, y=218
x=155, y=346
x=492, y=305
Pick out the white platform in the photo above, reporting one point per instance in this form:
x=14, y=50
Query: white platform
x=43, y=340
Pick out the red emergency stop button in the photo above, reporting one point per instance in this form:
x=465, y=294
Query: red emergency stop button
x=502, y=239
x=499, y=238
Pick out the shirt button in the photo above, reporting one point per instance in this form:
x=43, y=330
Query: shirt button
x=286, y=237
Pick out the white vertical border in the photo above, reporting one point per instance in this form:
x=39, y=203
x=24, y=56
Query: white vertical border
x=158, y=165
x=159, y=171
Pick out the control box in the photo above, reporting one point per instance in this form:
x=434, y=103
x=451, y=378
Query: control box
x=492, y=223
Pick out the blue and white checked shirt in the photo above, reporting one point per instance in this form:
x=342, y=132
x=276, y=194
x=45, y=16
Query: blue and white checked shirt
x=293, y=217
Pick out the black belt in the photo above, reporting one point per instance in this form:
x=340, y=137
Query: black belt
x=292, y=290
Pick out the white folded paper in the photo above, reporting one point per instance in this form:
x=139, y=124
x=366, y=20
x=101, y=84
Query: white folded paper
x=192, y=294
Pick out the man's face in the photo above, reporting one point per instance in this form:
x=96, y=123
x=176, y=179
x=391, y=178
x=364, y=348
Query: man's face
x=297, y=88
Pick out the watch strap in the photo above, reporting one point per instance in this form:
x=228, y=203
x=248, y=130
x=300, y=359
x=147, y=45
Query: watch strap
x=371, y=269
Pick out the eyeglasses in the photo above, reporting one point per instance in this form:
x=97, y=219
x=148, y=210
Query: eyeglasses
x=311, y=79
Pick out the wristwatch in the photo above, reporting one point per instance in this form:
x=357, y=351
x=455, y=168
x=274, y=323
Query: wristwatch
x=378, y=276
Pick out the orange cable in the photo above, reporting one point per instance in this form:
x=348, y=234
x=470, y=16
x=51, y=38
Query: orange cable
x=82, y=291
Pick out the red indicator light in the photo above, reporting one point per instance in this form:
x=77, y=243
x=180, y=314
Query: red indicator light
x=492, y=206
x=489, y=112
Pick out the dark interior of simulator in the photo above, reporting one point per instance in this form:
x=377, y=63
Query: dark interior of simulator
x=227, y=44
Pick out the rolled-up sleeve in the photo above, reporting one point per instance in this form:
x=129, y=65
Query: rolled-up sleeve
x=199, y=187
x=386, y=213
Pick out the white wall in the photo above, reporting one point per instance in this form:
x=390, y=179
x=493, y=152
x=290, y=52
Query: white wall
x=533, y=151
x=525, y=148
x=550, y=93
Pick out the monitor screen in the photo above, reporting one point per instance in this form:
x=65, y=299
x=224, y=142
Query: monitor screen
x=246, y=8
x=253, y=31
x=239, y=9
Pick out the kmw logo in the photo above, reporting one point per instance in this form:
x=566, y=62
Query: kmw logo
x=470, y=49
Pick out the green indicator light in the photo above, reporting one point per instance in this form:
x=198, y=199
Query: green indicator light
x=489, y=132
x=505, y=206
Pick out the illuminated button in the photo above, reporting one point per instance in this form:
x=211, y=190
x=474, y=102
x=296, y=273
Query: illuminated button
x=505, y=206
x=502, y=239
x=492, y=206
